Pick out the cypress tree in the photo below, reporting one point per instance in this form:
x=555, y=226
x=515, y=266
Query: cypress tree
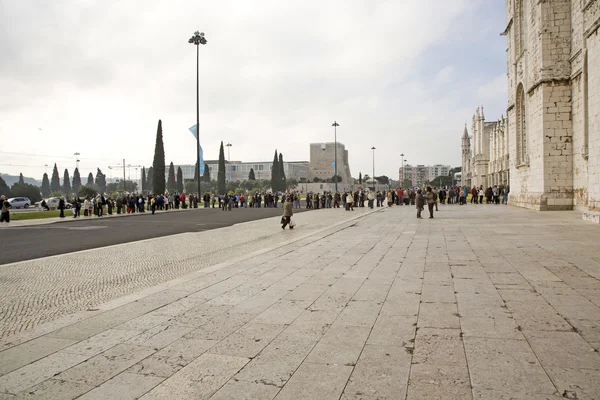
x=149, y=179
x=158, y=165
x=275, y=173
x=179, y=180
x=282, y=179
x=45, y=189
x=55, y=182
x=251, y=176
x=21, y=179
x=206, y=176
x=360, y=178
x=66, y=189
x=90, y=181
x=143, y=179
x=221, y=174
x=5, y=190
x=171, y=184
x=76, y=181
x=100, y=181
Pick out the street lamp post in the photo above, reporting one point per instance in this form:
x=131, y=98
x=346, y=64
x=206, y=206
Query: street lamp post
x=403, y=175
x=335, y=176
x=228, y=145
x=197, y=40
x=373, y=148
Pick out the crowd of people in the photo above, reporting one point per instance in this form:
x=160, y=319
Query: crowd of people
x=100, y=204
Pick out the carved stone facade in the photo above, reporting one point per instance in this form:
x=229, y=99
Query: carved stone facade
x=485, y=159
x=553, y=66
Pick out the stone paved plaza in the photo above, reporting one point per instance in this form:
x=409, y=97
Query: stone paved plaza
x=483, y=302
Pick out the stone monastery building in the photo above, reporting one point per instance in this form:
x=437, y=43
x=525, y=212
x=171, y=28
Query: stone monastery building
x=485, y=159
x=553, y=62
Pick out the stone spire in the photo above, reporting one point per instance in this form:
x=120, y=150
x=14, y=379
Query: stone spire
x=465, y=133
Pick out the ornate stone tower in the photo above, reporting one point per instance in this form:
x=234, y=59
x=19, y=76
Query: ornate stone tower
x=466, y=158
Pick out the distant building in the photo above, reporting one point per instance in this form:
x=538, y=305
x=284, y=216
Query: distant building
x=239, y=171
x=485, y=154
x=322, y=156
x=419, y=175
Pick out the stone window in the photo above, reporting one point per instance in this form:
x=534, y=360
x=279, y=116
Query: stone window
x=520, y=28
x=521, y=126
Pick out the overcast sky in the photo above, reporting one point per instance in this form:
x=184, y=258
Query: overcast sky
x=95, y=77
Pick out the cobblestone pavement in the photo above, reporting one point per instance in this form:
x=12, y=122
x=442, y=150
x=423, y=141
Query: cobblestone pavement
x=63, y=284
x=483, y=302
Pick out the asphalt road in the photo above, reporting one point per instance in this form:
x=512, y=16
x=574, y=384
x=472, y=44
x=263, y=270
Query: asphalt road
x=26, y=243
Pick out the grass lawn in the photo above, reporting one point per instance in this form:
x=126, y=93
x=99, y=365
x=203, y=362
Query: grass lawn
x=21, y=216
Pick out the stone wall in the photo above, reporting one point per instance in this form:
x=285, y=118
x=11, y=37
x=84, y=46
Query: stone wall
x=593, y=67
x=558, y=64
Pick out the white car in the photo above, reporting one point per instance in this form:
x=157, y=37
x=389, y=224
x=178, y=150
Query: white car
x=18, y=202
x=52, y=203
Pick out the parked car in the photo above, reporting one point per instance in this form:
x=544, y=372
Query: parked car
x=52, y=203
x=18, y=202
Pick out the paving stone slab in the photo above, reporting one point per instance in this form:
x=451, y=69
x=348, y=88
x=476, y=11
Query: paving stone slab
x=54, y=389
x=104, y=366
x=575, y=383
x=249, y=340
x=101, y=342
x=23, y=354
x=506, y=365
x=125, y=386
x=200, y=379
x=438, y=382
x=341, y=345
x=393, y=330
x=276, y=363
x=381, y=371
x=239, y=390
x=172, y=358
x=316, y=381
x=438, y=315
x=38, y=371
x=439, y=347
x=563, y=349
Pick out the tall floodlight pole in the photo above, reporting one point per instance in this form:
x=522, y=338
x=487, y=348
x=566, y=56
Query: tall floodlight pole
x=335, y=176
x=197, y=40
x=403, y=175
x=373, y=148
x=229, y=159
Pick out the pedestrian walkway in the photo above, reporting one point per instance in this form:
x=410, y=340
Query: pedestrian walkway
x=483, y=302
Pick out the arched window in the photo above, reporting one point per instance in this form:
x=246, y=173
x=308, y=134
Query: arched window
x=521, y=126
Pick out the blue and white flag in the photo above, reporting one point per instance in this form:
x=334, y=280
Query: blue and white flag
x=194, y=130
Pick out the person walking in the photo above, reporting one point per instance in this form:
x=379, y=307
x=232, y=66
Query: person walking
x=420, y=202
x=430, y=201
x=349, y=202
x=152, y=205
x=61, y=207
x=76, y=207
x=287, y=214
x=371, y=199
x=4, y=209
